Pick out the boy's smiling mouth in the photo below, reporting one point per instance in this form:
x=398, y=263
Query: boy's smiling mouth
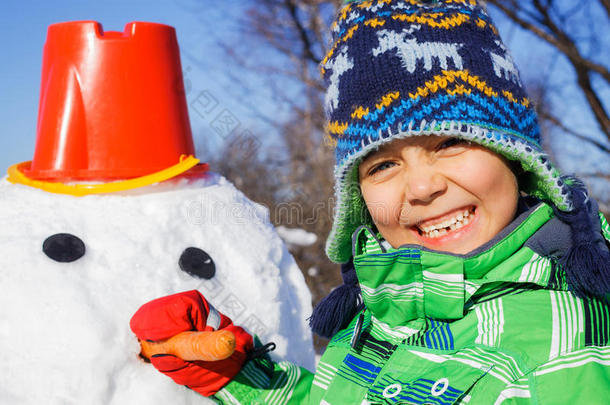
x=446, y=224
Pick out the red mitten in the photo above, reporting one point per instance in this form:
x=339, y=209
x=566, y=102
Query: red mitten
x=165, y=317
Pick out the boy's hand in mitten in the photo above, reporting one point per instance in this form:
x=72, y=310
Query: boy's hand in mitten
x=166, y=317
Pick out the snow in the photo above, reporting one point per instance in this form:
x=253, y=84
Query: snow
x=313, y=272
x=65, y=326
x=297, y=236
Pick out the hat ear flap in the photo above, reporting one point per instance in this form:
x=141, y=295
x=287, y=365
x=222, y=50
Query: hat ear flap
x=336, y=310
x=587, y=261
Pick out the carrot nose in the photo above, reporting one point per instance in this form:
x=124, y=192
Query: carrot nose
x=193, y=346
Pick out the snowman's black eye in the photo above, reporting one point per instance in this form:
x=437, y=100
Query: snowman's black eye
x=197, y=263
x=63, y=247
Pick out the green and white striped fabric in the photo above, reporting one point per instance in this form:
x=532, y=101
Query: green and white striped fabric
x=496, y=327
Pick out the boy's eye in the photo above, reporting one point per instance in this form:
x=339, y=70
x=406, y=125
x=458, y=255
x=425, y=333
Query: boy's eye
x=450, y=142
x=380, y=167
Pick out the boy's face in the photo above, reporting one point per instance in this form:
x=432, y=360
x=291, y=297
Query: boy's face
x=440, y=192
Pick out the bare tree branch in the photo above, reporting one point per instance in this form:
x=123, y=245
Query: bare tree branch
x=559, y=38
x=308, y=53
x=569, y=49
x=606, y=4
x=555, y=121
x=599, y=175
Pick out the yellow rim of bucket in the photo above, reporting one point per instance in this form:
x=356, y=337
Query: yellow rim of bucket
x=15, y=175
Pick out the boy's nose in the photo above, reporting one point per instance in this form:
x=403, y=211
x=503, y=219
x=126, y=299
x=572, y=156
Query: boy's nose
x=424, y=185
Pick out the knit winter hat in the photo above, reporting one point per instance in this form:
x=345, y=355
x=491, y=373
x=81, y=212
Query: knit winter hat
x=412, y=67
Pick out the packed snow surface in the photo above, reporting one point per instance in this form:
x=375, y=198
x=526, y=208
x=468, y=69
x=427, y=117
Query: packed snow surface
x=64, y=327
x=297, y=236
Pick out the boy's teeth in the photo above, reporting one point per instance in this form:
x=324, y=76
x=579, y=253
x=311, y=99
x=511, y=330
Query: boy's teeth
x=434, y=231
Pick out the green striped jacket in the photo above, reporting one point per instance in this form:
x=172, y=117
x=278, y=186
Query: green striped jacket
x=496, y=326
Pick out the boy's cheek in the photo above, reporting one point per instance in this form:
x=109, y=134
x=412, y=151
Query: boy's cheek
x=483, y=173
x=384, y=213
x=407, y=216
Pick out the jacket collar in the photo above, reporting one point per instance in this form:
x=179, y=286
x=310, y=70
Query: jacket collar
x=412, y=282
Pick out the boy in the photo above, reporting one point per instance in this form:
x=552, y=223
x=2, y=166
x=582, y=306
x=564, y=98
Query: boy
x=473, y=272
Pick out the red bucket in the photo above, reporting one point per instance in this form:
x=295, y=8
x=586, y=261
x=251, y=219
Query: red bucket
x=112, y=104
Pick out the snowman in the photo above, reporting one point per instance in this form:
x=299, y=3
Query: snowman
x=113, y=211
